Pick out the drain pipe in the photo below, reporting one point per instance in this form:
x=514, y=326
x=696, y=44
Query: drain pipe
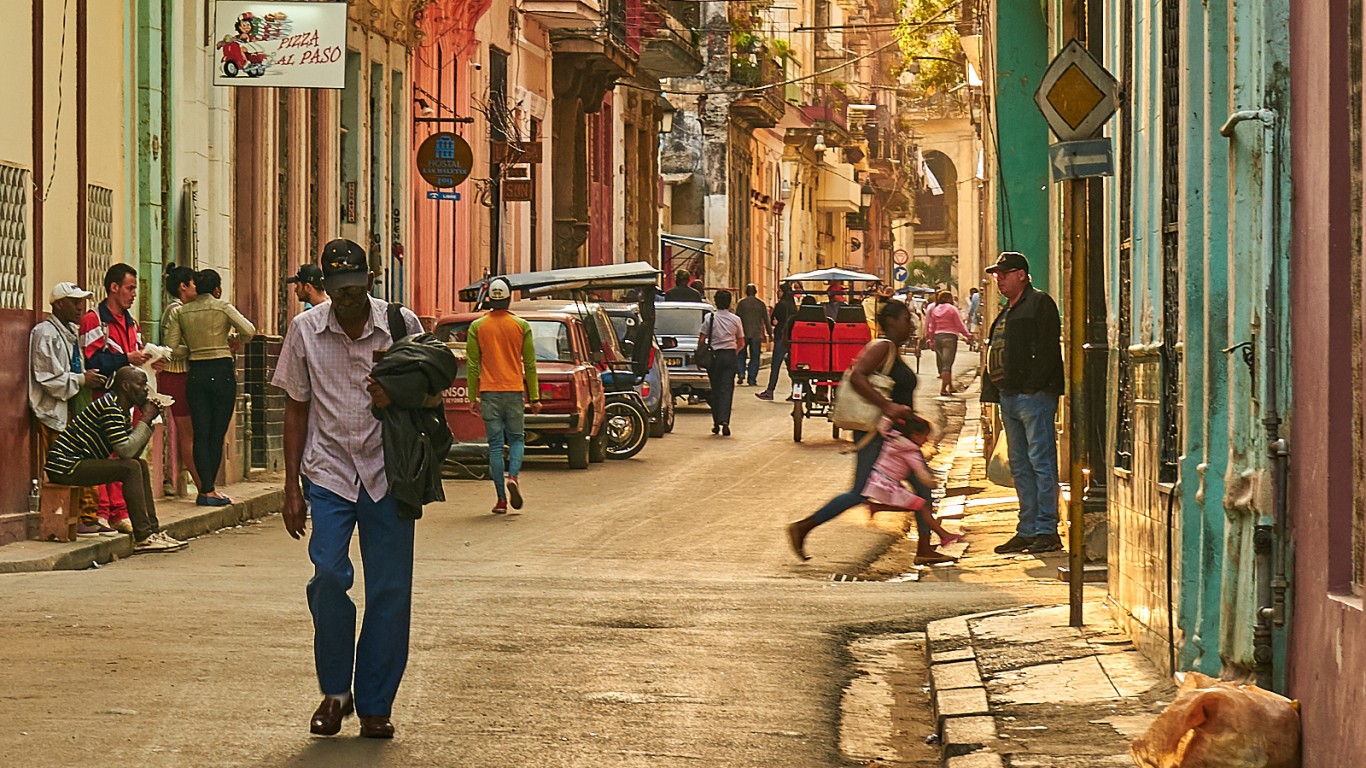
x=1271, y=581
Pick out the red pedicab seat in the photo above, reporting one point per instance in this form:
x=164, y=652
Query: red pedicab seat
x=810, y=339
x=848, y=337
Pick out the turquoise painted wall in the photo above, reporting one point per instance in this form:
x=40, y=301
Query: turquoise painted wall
x=1234, y=54
x=151, y=149
x=1022, y=189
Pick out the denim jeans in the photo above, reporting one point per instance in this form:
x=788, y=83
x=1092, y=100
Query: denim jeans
x=779, y=357
x=504, y=416
x=1033, y=443
x=377, y=661
x=212, y=391
x=749, y=359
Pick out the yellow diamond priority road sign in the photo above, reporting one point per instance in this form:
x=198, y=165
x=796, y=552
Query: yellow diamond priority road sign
x=1076, y=95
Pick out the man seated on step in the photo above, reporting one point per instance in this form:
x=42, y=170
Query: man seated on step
x=81, y=455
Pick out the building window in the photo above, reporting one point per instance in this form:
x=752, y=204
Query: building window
x=13, y=237
x=99, y=235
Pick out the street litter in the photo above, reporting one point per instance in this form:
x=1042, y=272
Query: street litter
x=1217, y=724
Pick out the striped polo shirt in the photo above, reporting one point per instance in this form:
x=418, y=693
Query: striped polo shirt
x=94, y=433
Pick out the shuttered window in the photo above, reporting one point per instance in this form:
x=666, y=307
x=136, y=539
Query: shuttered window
x=99, y=236
x=14, y=244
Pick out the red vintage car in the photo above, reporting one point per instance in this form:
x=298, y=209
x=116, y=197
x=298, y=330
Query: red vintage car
x=572, y=411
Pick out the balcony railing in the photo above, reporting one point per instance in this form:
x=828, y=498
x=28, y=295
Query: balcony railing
x=829, y=107
x=764, y=106
x=670, y=41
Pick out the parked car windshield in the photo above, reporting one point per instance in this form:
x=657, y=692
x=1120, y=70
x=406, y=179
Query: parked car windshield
x=678, y=321
x=550, y=336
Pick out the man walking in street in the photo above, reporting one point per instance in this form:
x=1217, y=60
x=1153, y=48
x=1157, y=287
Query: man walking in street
x=724, y=332
x=500, y=365
x=333, y=438
x=683, y=290
x=781, y=320
x=308, y=285
x=60, y=386
x=753, y=314
x=1025, y=376
x=81, y=456
x=110, y=339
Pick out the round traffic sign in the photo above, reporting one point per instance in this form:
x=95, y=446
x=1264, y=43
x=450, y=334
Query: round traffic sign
x=900, y=273
x=444, y=160
x=899, y=256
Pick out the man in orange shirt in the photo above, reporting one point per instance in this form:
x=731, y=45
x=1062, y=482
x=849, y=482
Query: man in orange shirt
x=500, y=363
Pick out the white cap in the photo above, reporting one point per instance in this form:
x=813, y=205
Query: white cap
x=499, y=290
x=68, y=291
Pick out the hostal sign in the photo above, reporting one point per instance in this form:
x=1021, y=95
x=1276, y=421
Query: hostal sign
x=444, y=160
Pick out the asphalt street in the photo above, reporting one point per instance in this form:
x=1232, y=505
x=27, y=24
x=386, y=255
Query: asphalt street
x=639, y=613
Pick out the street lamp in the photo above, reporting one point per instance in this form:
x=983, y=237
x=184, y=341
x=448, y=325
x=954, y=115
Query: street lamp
x=867, y=196
x=666, y=115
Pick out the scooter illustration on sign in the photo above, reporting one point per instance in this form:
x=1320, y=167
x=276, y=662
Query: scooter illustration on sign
x=240, y=52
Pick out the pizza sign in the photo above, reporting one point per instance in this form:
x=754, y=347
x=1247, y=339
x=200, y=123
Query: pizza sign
x=280, y=45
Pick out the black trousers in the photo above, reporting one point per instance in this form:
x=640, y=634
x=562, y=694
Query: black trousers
x=212, y=390
x=722, y=377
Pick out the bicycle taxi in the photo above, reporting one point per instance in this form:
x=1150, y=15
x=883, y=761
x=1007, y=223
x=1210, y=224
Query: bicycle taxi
x=822, y=348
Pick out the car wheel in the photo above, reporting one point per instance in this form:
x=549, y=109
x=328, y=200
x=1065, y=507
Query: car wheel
x=669, y=419
x=578, y=452
x=657, y=427
x=597, y=446
x=627, y=430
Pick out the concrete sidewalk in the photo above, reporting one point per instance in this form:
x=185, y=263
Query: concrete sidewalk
x=1020, y=687
x=179, y=517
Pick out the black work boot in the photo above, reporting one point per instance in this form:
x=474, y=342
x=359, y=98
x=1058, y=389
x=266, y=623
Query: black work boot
x=1048, y=542
x=1016, y=543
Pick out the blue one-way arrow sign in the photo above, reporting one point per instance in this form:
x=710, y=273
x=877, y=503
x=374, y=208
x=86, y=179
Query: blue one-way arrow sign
x=1081, y=159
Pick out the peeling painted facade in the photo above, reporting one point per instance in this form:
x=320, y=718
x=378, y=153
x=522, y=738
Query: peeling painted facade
x=1195, y=236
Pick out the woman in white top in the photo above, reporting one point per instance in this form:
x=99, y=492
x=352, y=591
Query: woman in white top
x=726, y=335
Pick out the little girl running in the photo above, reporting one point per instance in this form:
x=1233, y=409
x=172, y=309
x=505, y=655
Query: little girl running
x=901, y=459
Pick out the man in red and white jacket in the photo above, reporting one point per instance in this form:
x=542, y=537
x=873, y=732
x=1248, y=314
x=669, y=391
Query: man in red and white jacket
x=111, y=339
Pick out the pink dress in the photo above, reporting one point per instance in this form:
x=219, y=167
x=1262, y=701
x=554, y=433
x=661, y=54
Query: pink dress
x=899, y=458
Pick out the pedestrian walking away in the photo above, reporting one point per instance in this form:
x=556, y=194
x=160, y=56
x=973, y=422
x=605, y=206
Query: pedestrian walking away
x=333, y=438
x=110, y=339
x=781, y=321
x=902, y=461
x=500, y=364
x=944, y=326
x=81, y=456
x=753, y=313
x=894, y=322
x=1025, y=376
x=205, y=332
x=172, y=381
x=725, y=333
x=59, y=387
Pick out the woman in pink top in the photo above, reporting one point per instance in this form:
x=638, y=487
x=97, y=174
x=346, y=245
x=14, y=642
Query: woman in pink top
x=944, y=326
x=901, y=460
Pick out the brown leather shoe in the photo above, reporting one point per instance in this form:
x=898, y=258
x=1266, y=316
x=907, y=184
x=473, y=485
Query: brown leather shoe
x=328, y=718
x=376, y=727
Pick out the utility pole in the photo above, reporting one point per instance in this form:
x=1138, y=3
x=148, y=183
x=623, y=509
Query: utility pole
x=1077, y=248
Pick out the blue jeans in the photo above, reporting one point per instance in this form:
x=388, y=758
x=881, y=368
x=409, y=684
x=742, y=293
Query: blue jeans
x=386, y=550
x=1033, y=443
x=779, y=356
x=504, y=416
x=749, y=359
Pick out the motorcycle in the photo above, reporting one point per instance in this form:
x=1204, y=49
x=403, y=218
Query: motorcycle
x=628, y=421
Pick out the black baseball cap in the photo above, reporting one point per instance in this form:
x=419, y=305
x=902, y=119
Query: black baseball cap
x=1009, y=261
x=344, y=265
x=309, y=274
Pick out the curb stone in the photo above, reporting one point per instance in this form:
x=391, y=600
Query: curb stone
x=38, y=556
x=958, y=693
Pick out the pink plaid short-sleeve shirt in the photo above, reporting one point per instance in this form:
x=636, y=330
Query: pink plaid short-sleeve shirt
x=320, y=365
